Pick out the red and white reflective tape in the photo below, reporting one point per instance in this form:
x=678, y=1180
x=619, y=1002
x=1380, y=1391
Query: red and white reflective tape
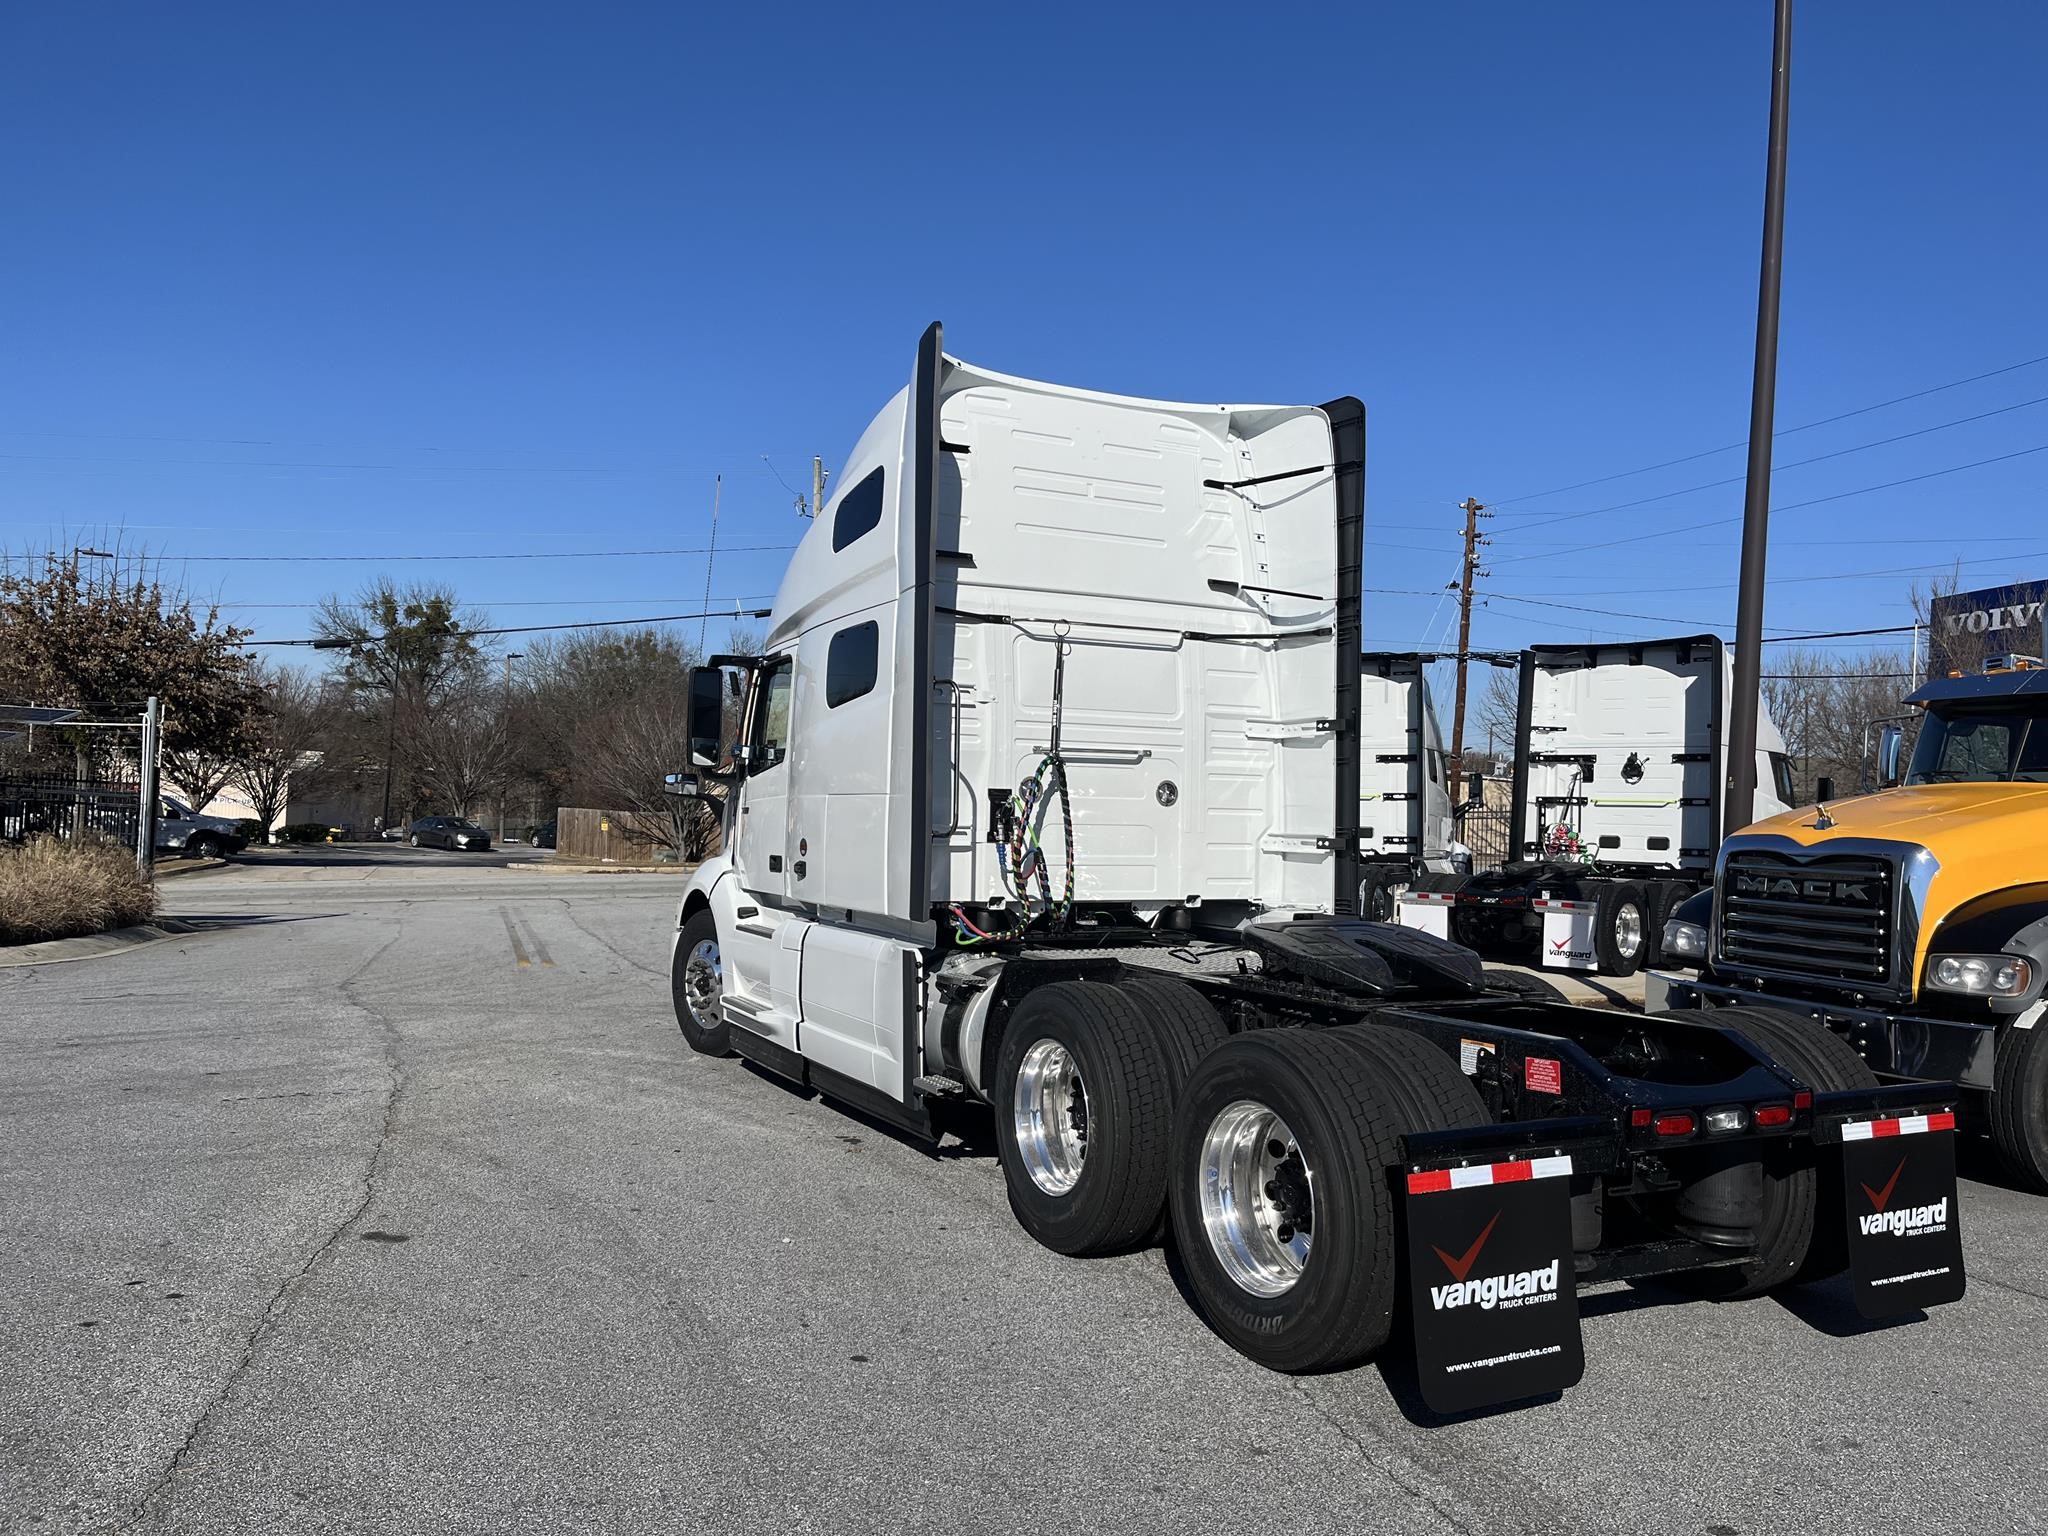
x=1559, y=904
x=1440, y=1179
x=1430, y=898
x=1910, y=1125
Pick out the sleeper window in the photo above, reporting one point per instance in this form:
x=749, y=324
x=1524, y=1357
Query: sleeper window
x=850, y=663
x=859, y=510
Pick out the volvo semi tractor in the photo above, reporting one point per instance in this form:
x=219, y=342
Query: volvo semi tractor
x=1042, y=804
x=1614, y=807
x=1912, y=921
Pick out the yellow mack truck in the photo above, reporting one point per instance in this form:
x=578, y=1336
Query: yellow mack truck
x=1912, y=921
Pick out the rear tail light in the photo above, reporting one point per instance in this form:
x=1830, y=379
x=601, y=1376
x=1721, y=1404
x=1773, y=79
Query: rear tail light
x=1769, y=1117
x=1802, y=1100
x=1639, y=1119
x=1726, y=1122
x=1679, y=1123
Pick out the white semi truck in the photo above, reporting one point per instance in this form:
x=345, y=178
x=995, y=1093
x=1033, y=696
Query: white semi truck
x=1615, y=805
x=1043, y=802
x=1406, y=826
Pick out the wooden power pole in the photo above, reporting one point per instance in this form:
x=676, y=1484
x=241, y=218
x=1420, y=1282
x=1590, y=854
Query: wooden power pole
x=817, y=485
x=1466, y=572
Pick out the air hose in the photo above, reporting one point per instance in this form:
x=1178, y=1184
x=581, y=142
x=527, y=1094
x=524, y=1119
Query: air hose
x=1020, y=857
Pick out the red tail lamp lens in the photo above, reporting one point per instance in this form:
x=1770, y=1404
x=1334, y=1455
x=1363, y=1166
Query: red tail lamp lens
x=1675, y=1125
x=1802, y=1100
x=1770, y=1116
x=1639, y=1119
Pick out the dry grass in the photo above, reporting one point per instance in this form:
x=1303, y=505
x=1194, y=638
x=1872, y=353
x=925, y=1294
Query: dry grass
x=52, y=890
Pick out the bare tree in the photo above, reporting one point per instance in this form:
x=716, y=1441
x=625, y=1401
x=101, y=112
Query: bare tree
x=285, y=744
x=461, y=750
x=1827, y=706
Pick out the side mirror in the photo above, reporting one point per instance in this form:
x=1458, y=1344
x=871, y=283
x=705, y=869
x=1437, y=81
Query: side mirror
x=1823, y=789
x=687, y=785
x=1891, y=745
x=707, y=716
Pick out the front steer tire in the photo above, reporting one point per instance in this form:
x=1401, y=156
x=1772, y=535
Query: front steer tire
x=1085, y=1166
x=2019, y=1104
x=700, y=1017
x=1339, y=1309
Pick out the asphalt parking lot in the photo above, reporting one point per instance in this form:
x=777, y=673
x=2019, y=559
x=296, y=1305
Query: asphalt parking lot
x=395, y=1203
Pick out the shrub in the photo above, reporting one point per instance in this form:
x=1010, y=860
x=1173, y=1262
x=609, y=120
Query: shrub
x=303, y=832
x=253, y=830
x=50, y=889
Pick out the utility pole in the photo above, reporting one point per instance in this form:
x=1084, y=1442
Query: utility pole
x=1739, y=803
x=711, y=554
x=817, y=485
x=1466, y=572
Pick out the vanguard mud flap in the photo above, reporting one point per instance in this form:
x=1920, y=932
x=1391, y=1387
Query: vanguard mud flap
x=1492, y=1293
x=1900, y=1212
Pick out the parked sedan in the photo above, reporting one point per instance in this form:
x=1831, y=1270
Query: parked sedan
x=451, y=832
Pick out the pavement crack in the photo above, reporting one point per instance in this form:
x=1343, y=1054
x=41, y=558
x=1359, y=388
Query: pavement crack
x=281, y=1298
x=604, y=943
x=1411, y=1481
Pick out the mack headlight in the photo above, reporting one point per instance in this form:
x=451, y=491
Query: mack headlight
x=1684, y=940
x=1980, y=975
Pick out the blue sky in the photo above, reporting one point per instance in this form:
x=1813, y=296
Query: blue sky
x=382, y=280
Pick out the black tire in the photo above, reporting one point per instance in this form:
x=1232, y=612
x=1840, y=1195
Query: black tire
x=1339, y=1309
x=1612, y=910
x=712, y=1036
x=204, y=846
x=1659, y=897
x=1422, y=1087
x=2019, y=1104
x=1127, y=1072
x=413, y=841
x=1799, y=1239
x=1188, y=1026
x=1375, y=893
x=1522, y=984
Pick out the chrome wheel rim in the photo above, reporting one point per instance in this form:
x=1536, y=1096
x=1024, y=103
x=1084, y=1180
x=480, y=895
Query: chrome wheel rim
x=1628, y=930
x=1258, y=1199
x=703, y=980
x=1049, y=1110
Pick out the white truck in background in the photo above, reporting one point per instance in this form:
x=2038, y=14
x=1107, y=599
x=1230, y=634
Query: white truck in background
x=1615, y=805
x=1406, y=823
x=1042, y=804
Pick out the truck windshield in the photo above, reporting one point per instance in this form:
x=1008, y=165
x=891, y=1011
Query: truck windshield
x=1981, y=747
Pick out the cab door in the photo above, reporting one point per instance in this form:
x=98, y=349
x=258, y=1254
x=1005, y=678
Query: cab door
x=761, y=852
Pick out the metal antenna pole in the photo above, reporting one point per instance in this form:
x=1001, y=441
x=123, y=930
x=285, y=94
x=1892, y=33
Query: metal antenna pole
x=1739, y=804
x=710, y=554
x=145, y=827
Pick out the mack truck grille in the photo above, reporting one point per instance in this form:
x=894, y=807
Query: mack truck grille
x=1826, y=918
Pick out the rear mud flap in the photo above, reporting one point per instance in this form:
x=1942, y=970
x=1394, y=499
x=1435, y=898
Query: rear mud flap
x=1493, y=1297
x=1899, y=1205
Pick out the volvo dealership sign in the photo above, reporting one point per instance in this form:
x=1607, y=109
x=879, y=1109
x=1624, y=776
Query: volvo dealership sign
x=1995, y=621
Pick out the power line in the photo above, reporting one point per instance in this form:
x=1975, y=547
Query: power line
x=551, y=602
x=1825, y=421
x=1790, y=506
x=534, y=629
x=553, y=554
x=466, y=469
x=1623, y=506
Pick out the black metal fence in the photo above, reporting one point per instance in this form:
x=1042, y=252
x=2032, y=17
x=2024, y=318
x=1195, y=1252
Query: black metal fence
x=60, y=805
x=1483, y=826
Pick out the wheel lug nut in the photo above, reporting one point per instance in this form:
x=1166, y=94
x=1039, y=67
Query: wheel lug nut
x=1272, y=1189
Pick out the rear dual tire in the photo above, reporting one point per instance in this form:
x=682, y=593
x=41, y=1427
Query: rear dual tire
x=1086, y=1078
x=1793, y=1244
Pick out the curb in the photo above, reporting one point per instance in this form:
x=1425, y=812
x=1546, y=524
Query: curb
x=85, y=946
x=168, y=869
